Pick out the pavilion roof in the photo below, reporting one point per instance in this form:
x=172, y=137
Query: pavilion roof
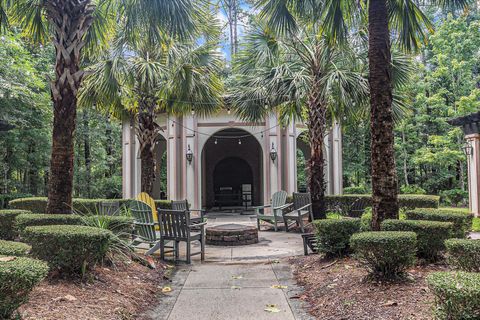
x=470, y=123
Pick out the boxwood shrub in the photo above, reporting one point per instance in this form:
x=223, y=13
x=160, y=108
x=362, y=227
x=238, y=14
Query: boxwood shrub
x=13, y=248
x=409, y=201
x=26, y=220
x=457, y=294
x=7, y=222
x=69, y=249
x=462, y=222
x=39, y=204
x=386, y=254
x=333, y=235
x=17, y=278
x=431, y=235
x=464, y=254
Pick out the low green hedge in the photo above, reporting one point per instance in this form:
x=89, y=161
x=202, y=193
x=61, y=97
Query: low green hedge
x=17, y=278
x=457, y=295
x=366, y=222
x=27, y=220
x=386, y=254
x=431, y=235
x=7, y=223
x=6, y=198
x=85, y=206
x=464, y=254
x=13, y=248
x=333, y=235
x=462, y=222
x=70, y=249
x=409, y=201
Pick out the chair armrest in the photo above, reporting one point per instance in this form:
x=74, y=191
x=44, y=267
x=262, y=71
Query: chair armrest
x=285, y=206
x=304, y=207
x=196, y=225
x=262, y=207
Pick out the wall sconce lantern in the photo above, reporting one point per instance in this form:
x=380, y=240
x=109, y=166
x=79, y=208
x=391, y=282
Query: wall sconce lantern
x=273, y=153
x=467, y=148
x=189, y=155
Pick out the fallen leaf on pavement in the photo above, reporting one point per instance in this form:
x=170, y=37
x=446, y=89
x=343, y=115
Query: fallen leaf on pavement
x=166, y=289
x=279, y=286
x=272, y=308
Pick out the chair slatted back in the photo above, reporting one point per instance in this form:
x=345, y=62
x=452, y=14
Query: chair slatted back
x=300, y=200
x=180, y=205
x=144, y=220
x=279, y=199
x=145, y=198
x=174, y=224
x=358, y=207
x=109, y=208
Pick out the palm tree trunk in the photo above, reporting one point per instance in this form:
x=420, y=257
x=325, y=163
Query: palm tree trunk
x=384, y=175
x=147, y=133
x=317, y=113
x=70, y=21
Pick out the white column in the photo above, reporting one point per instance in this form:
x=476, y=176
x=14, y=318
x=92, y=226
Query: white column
x=127, y=174
x=192, y=169
x=337, y=159
x=290, y=157
x=274, y=137
x=172, y=181
x=474, y=174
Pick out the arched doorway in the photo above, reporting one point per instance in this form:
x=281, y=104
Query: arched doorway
x=232, y=170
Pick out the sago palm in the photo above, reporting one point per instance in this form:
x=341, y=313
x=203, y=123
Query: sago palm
x=72, y=24
x=339, y=17
x=299, y=77
x=146, y=78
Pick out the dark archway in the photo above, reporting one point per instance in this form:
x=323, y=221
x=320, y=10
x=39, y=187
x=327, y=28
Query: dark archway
x=232, y=170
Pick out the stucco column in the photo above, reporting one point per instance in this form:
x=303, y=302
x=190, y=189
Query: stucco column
x=274, y=167
x=337, y=159
x=474, y=173
x=128, y=159
x=175, y=159
x=288, y=151
x=192, y=169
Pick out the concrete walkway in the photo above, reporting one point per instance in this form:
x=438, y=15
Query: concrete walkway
x=237, y=283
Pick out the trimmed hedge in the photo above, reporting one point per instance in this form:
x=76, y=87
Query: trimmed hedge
x=457, y=295
x=462, y=222
x=409, y=201
x=27, y=220
x=7, y=223
x=431, y=235
x=17, y=278
x=6, y=198
x=85, y=206
x=70, y=249
x=12, y=248
x=333, y=235
x=387, y=254
x=464, y=254
x=366, y=222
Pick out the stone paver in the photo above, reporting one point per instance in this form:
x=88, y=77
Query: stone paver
x=237, y=283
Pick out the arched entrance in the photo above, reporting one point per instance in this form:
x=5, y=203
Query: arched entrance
x=232, y=170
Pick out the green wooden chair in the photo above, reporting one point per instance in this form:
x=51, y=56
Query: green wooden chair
x=184, y=206
x=302, y=208
x=275, y=213
x=145, y=227
x=175, y=226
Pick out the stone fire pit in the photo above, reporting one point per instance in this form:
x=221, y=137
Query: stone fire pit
x=231, y=235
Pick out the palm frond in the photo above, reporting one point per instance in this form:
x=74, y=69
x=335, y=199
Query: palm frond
x=30, y=15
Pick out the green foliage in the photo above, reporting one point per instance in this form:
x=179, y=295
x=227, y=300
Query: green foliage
x=333, y=235
x=386, y=254
x=26, y=220
x=412, y=189
x=70, y=249
x=431, y=235
x=7, y=221
x=462, y=222
x=454, y=197
x=17, y=278
x=85, y=206
x=457, y=295
x=118, y=224
x=366, y=221
x=6, y=198
x=476, y=224
x=405, y=201
x=12, y=248
x=464, y=254
x=355, y=190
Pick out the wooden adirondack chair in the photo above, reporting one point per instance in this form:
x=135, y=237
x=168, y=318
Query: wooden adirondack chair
x=145, y=198
x=176, y=226
x=184, y=206
x=302, y=208
x=358, y=208
x=275, y=213
x=145, y=226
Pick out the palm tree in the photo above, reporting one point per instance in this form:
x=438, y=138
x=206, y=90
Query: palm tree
x=72, y=24
x=298, y=76
x=146, y=78
x=409, y=23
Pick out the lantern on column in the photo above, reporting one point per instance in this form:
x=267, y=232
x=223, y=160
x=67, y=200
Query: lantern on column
x=467, y=148
x=189, y=155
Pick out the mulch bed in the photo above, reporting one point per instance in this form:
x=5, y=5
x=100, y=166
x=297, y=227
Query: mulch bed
x=339, y=290
x=124, y=292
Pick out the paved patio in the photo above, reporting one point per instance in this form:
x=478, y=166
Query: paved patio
x=237, y=283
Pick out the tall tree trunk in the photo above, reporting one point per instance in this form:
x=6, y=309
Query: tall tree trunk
x=70, y=21
x=147, y=133
x=87, y=154
x=384, y=175
x=317, y=113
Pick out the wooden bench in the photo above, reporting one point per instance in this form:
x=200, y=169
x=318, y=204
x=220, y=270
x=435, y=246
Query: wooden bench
x=309, y=241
